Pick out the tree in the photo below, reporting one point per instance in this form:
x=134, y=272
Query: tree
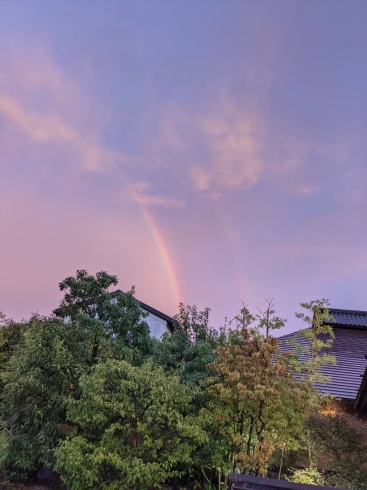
x=192, y=345
x=319, y=335
x=342, y=439
x=187, y=353
x=36, y=380
x=132, y=430
x=268, y=320
x=256, y=404
x=11, y=334
x=310, y=476
x=310, y=346
x=112, y=322
x=46, y=356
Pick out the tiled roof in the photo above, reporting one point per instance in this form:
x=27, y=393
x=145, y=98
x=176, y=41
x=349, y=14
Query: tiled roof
x=348, y=318
x=349, y=347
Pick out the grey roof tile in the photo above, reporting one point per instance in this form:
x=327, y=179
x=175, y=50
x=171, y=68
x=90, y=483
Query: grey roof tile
x=348, y=318
x=349, y=347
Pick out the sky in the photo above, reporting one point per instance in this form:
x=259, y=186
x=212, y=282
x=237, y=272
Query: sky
x=207, y=152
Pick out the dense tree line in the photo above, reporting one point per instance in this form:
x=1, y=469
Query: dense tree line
x=89, y=393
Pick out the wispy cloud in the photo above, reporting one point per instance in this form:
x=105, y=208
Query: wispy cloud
x=138, y=192
x=52, y=125
x=232, y=137
x=218, y=144
x=306, y=190
x=223, y=144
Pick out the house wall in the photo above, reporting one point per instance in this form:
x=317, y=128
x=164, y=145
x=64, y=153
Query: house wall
x=157, y=325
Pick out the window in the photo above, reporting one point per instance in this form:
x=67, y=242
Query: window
x=157, y=326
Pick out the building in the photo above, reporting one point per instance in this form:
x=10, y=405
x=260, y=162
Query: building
x=348, y=377
x=158, y=322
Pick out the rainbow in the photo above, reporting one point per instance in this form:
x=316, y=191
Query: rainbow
x=166, y=256
x=161, y=245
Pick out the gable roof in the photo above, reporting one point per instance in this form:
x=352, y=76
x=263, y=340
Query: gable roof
x=154, y=311
x=158, y=313
x=349, y=348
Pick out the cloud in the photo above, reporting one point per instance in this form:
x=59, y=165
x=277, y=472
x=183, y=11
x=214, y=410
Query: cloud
x=218, y=144
x=58, y=124
x=138, y=192
x=232, y=137
x=32, y=71
x=228, y=143
x=306, y=190
x=39, y=127
x=200, y=177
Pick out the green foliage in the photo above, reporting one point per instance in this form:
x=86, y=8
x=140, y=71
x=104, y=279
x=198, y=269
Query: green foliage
x=44, y=358
x=90, y=392
x=267, y=320
x=11, y=334
x=309, y=476
x=187, y=353
x=320, y=336
x=132, y=431
x=36, y=380
x=112, y=322
x=310, y=348
x=192, y=345
x=256, y=402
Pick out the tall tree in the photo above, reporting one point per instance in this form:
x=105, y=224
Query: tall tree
x=132, y=430
x=311, y=349
x=43, y=368
x=192, y=345
x=112, y=322
x=36, y=380
x=256, y=404
x=187, y=353
x=319, y=335
x=11, y=334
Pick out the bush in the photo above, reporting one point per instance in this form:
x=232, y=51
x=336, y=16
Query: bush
x=132, y=428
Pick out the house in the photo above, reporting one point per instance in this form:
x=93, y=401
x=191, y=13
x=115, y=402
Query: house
x=158, y=322
x=348, y=377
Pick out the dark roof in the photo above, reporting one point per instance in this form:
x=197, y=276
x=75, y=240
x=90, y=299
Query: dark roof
x=241, y=482
x=348, y=318
x=155, y=312
x=149, y=309
x=349, y=348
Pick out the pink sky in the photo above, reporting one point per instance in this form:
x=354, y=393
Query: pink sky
x=207, y=152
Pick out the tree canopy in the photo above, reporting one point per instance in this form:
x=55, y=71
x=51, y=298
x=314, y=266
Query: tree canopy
x=85, y=390
x=131, y=427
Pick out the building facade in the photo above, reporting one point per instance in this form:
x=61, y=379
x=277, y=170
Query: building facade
x=348, y=377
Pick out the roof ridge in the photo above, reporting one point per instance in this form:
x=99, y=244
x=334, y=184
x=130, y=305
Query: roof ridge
x=355, y=312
